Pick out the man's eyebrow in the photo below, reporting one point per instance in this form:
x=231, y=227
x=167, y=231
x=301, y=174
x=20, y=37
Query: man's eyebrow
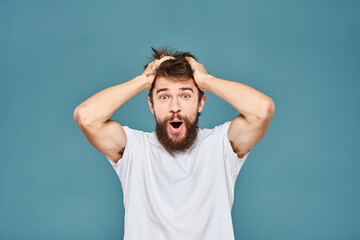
x=161, y=89
x=187, y=88
x=166, y=89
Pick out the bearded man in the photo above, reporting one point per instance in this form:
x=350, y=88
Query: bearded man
x=178, y=182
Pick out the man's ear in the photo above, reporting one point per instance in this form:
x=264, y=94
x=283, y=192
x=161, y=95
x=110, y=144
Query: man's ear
x=201, y=103
x=151, y=105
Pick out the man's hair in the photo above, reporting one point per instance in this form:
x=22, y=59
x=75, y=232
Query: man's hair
x=177, y=69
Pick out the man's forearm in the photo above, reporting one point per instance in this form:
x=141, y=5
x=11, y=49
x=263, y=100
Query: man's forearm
x=101, y=106
x=245, y=99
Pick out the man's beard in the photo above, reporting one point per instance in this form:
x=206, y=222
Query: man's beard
x=177, y=145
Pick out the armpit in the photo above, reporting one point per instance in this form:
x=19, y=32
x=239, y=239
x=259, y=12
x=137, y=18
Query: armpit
x=121, y=152
x=236, y=150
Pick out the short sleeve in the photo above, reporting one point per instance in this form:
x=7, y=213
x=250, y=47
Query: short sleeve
x=235, y=162
x=129, y=142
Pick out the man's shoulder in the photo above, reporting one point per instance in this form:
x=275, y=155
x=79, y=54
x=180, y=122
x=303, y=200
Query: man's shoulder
x=136, y=131
x=216, y=131
x=138, y=135
x=218, y=127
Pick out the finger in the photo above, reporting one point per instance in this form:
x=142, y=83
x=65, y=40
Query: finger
x=155, y=63
x=190, y=59
x=159, y=61
x=162, y=59
x=193, y=63
x=152, y=65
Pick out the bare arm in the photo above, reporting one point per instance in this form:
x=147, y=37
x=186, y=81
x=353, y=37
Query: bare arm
x=92, y=116
x=256, y=108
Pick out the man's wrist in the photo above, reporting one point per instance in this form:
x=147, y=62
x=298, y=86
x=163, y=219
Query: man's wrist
x=205, y=83
x=146, y=82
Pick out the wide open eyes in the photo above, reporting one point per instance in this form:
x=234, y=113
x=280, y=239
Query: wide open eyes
x=164, y=97
x=185, y=95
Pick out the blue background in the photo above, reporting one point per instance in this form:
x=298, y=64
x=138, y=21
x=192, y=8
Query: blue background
x=301, y=181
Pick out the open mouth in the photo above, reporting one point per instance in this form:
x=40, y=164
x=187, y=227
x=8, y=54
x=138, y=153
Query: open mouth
x=176, y=124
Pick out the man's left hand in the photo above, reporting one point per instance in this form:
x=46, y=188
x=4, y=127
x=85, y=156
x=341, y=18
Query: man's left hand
x=200, y=74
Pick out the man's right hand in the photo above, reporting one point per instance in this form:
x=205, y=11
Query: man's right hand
x=150, y=71
x=93, y=115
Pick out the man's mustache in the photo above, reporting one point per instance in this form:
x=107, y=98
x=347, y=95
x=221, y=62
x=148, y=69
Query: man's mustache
x=176, y=115
x=173, y=116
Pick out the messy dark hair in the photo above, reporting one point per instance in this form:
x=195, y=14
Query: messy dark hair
x=178, y=69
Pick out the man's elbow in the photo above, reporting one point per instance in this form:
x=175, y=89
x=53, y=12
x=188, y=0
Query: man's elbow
x=80, y=116
x=268, y=109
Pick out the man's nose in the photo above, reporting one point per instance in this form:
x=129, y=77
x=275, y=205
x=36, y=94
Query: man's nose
x=175, y=106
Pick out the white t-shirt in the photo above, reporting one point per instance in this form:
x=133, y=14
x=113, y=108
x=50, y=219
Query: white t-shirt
x=188, y=196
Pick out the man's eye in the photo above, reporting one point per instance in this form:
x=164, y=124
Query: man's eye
x=185, y=96
x=163, y=97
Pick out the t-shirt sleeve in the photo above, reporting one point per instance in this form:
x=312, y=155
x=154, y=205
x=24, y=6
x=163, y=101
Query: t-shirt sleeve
x=129, y=142
x=235, y=162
